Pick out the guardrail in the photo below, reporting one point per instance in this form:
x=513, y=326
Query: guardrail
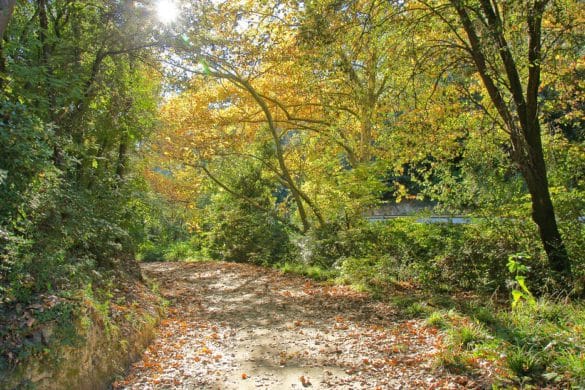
x=458, y=220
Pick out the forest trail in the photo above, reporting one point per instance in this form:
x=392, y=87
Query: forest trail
x=239, y=326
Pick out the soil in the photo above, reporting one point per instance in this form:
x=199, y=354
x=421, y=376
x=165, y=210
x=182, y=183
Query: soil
x=239, y=326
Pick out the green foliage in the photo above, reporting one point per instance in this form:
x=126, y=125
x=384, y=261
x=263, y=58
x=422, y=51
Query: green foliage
x=25, y=149
x=540, y=344
x=311, y=271
x=78, y=103
x=524, y=363
x=437, y=256
x=436, y=319
x=19, y=343
x=190, y=250
x=72, y=114
x=180, y=251
x=244, y=235
x=467, y=336
x=518, y=269
x=149, y=251
x=239, y=231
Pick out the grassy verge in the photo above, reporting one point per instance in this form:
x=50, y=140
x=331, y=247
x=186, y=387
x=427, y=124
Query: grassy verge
x=533, y=345
x=311, y=271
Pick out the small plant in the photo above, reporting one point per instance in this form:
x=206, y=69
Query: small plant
x=484, y=315
x=437, y=320
x=467, y=336
x=518, y=269
x=417, y=309
x=524, y=363
x=575, y=364
x=452, y=361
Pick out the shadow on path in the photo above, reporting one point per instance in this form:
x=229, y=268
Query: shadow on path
x=238, y=326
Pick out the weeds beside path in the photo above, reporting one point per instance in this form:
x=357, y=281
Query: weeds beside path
x=238, y=326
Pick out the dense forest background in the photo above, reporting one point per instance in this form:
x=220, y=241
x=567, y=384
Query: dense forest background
x=267, y=132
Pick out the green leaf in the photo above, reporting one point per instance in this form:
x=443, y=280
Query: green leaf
x=516, y=297
x=522, y=283
x=205, y=67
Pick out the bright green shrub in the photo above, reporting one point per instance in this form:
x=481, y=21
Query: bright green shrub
x=243, y=232
x=242, y=235
x=443, y=256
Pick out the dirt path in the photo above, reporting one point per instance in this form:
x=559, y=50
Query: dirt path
x=235, y=326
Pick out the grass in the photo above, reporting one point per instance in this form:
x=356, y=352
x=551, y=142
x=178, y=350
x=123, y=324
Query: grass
x=417, y=309
x=311, y=271
x=542, y=345
x=436, y=320
x=467, y=336
x=524, y=363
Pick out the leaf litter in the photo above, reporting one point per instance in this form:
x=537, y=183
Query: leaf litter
x=239, y=326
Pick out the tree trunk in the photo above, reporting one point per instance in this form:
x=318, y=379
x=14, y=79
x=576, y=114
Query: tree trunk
x=2, y=64
x=523, y=127
x=366, y=133
x=543, y=214
x=122, y=158
x=6, y=8
x=297, y=193
x=44, y=60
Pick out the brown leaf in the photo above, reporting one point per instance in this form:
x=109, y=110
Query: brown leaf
x=305, y=381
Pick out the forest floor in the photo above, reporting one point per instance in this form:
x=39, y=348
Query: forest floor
x=239, y=326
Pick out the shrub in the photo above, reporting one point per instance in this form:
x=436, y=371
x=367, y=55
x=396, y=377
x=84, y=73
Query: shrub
x=467, y=336
x=242, y=235
x=148, y=251
x=436, y=256
x=524, y=363
x=180, y=251
x=437, y=320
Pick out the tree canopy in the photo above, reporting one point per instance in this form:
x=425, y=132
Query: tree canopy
x=430, y=143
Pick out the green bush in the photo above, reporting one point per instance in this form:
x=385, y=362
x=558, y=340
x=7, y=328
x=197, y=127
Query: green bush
x=148, y=251
x=242, y=235
x=246, y=228
x=436, y=256
x=182, y=251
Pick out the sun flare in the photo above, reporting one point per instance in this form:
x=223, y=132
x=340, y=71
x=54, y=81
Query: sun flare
x=167, y=11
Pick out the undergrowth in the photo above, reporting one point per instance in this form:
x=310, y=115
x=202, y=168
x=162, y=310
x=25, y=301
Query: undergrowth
x=312, y=271
x=533, y=345
x=540, y=344
x=114, y=306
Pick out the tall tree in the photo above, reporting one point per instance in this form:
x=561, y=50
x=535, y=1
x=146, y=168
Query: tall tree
x=492, y=37
x=6, y=9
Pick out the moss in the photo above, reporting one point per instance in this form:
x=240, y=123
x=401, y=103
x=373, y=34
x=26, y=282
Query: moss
x=91, y=343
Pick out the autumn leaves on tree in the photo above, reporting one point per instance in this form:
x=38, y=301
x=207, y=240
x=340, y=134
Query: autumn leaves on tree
x=330, y=98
